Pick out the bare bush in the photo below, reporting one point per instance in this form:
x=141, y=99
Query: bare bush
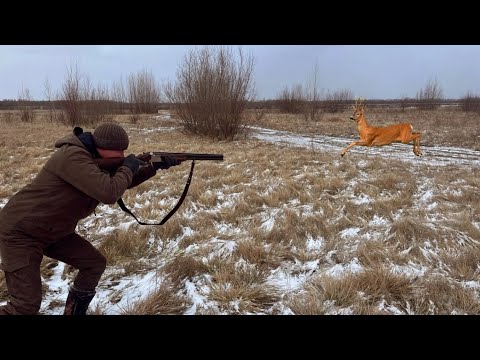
x=470, y=102
x=430, y=97
x=8, y=117
x=133, y=118
x=119, y=95
x=47, y=90
x=312, y=109
x=24, y=99
x=212, y=91
x=95, y=106
x=82, y=103
x=337, y=100
x=291, y=100
x=71, y=96
x=404, y=102
x=143, y=93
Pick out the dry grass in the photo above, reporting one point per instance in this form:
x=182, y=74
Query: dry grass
x=184, y=267
x=371, y=253
x=362, y=292
x=441, y=127
x=240, y=298
x=438, y=295
x=164, y=301
x=271, y=207
x=3, y=287
x=240, y=288
x=342, y=292
x=124, y=247
x=379, y=283
x=464, y=266
x=265, y=257
x=46, y=267
x=408, y=231
x=308, y=302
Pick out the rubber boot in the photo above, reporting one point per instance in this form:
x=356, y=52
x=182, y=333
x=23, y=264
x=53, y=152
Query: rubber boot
x=78, y=301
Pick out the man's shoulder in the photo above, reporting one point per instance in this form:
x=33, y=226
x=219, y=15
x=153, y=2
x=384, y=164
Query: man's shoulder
x=71, y=139
x=70, y=152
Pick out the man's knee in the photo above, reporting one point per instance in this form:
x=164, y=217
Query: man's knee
x=89, y=276
x=101, y=263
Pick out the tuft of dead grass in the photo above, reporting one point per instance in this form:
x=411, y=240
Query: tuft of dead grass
x=371, y=253
x=464, y=266
x=3, y=287
x=122, y=247
x=264, y=257
x=240, y=288
x=379, y=283
x=238, y=298
x=409, y=231
x=164, y=301
x=439, y=296
x=183, y=267
x=308, y=302
x=341, y=291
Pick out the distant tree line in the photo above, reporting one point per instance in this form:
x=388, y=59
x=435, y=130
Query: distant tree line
x=213, y=88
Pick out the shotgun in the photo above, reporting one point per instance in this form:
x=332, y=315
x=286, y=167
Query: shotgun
x=146, y=171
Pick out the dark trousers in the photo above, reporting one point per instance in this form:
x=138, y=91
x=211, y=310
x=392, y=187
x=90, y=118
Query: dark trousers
x=25, y=287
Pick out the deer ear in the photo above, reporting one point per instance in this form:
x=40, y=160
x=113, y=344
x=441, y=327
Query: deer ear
x=353, y=106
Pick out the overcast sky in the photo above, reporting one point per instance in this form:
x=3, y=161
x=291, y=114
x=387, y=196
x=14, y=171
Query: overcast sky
x=369, y=71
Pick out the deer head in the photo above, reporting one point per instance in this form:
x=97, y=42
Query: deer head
x=358, y=109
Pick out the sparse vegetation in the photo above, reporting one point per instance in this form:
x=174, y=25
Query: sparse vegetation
x=430, y=96
x=163, y=301
x=275, y=228
x=470, y=102
x=212, y=91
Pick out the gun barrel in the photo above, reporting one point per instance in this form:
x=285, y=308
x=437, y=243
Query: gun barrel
x=186, y=156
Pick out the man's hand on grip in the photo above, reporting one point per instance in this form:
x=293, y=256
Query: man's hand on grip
x=166, y=163
x=132, y=163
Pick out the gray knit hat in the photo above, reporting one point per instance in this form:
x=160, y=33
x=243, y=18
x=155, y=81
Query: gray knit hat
x=110, y=136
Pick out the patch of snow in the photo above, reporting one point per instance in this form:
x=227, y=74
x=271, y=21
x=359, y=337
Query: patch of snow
x=378, y=221
x=284, y=280
x=314, y=244
x=338, y=270
x=197, y=294
x=426, y=196
x=350, y=232
x=363, y=199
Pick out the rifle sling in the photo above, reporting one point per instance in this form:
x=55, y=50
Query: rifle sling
x=179, y=203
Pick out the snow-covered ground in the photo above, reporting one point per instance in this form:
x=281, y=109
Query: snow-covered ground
x=290, y=276
x=433, y=155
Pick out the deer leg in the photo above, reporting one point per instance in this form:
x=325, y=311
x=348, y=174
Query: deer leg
x=416, y=144
x=360, y=143
x=415, y=137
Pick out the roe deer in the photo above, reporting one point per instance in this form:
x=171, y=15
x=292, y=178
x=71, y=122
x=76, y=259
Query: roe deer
x=379, y=136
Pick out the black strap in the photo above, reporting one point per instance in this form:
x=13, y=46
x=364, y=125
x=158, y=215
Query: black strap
x=179, y=203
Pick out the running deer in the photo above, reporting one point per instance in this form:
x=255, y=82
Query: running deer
x=379, y=136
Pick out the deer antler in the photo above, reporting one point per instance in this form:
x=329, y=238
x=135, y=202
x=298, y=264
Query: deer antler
x=359, y=103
